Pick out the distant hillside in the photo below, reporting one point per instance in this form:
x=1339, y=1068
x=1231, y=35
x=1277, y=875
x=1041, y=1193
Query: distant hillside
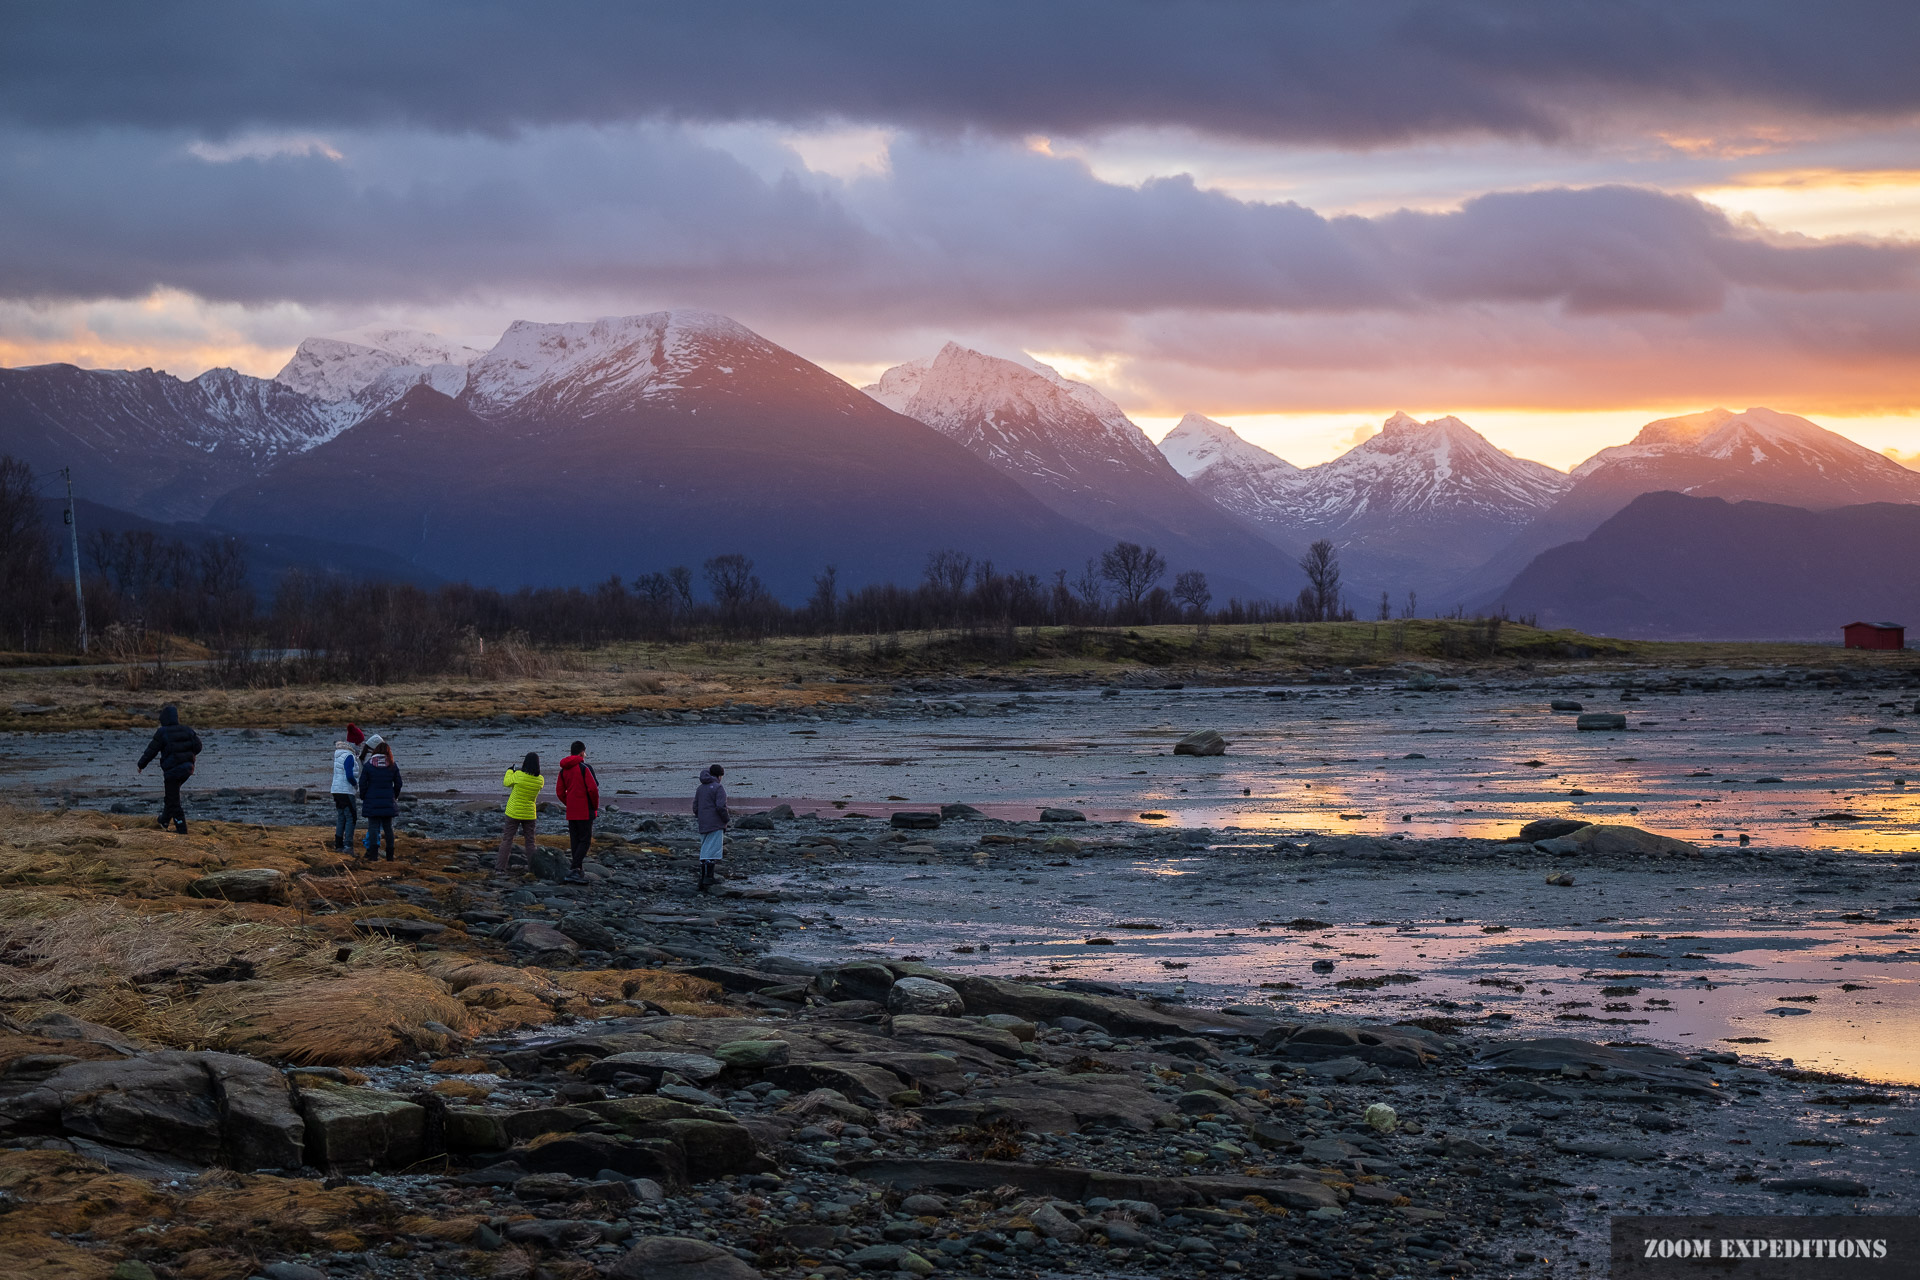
x=1673, y=567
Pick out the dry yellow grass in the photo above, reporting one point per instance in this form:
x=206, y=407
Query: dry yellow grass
x=94, y=924
x=783, y=672
x=218, y=1228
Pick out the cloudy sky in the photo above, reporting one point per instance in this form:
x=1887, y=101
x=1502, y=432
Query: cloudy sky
x=1556, y=220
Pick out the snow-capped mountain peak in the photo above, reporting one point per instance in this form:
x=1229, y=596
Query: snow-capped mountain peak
x=1757, y=437
x=1198, y=443
x=1022, y=415
x=608, y=364
x=1438, y=468
x=335, y=368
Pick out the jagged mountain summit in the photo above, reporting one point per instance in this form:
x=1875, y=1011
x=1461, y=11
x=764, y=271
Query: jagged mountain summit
x=1408, y=508
x=338, y=368
x=1075, y=450
x=1757, y=455
x=629, y=444
x=1242, y=477
x=151, y=443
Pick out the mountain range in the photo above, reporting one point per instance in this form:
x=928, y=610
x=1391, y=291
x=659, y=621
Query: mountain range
x=1672, y=566
x=572, y=452
x=568, y=452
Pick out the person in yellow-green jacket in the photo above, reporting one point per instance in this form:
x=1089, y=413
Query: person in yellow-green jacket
x=523, y=791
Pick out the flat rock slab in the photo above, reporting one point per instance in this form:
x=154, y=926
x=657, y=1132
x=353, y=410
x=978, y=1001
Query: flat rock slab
x=1068, y=1182
x=1570, y=1059
x=1608, y=1150
x=1816, y=1186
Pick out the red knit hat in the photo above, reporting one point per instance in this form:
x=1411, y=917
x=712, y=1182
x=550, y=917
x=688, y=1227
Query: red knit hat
x=354, y=735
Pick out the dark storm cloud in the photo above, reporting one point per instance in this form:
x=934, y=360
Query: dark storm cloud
x=949, y=234
x=1311, y=70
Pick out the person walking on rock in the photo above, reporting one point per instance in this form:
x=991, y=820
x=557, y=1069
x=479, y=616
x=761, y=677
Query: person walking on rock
x=710, y=810
x=380, y=784
x=579, y=790
x=523, y=791
x=346, y=786
x=177, y=747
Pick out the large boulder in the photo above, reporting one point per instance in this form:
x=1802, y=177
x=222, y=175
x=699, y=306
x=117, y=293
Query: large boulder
x=245, y=884
x=536, y=936
x=677, y=1258
x=1551, y=828
x=711, y=1143
x=925, y=997
x=549, y=864
x=1381, y=1046
x=260, y=1127
x=1062, y=815
x=1606, y=839
x=352, y=1130
x=862, y=980
x=753, y=1055
x=589, y=933
x=996, y=1040
x=201, y=1108
x=860, y=1081
x=159, y=1102
x=909, y=820
x=1207, y=742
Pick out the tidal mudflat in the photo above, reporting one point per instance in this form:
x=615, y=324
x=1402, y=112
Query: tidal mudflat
x=984, y=1044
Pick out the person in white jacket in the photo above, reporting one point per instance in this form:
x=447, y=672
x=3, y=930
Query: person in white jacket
x=346, y=786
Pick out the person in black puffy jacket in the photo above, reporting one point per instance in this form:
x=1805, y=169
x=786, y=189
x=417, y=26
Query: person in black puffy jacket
x=379, y=795
x=177, y=747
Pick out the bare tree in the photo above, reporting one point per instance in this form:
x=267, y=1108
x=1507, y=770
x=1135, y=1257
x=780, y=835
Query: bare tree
x=1322, y=566
x=1386, y=607
x=1412, y=608
x=730, y=578
x=1191, y=589
x=682, y=579
x=825, y=603
x=1132, y=569
x=1087, y=587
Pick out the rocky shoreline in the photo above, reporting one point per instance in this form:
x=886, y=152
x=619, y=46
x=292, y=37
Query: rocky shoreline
x=848, y=1115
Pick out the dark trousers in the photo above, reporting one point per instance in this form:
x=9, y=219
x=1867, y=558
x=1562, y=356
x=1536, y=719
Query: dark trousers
x=171, y=810
x=580, y=836
x=375, y=828
x=346, y=816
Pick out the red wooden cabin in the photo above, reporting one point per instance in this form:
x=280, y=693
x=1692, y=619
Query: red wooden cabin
x=1875, y=635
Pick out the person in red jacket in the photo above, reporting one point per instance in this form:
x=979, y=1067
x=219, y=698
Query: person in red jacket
x=579, y=790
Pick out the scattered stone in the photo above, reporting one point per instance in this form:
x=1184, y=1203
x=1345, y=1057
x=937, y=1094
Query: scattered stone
x=1062, y=815
x=1564, y=879
x=1601, y=720
x=1827, y=1186
x=1205, y=742
x=1549, y=828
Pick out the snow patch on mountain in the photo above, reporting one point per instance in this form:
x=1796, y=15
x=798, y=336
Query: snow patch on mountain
x=335, y=368
x=603, y=363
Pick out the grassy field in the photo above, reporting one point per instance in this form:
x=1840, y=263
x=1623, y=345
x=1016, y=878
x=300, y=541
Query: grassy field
x=787, y=672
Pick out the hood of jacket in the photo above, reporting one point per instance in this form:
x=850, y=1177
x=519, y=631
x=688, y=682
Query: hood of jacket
x=573, y=762
x=169, y=715
x=707, y=777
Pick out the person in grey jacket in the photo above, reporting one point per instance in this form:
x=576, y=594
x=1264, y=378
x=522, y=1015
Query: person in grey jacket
x=710, y=812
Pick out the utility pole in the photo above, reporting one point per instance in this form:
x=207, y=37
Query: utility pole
x=73, y=529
